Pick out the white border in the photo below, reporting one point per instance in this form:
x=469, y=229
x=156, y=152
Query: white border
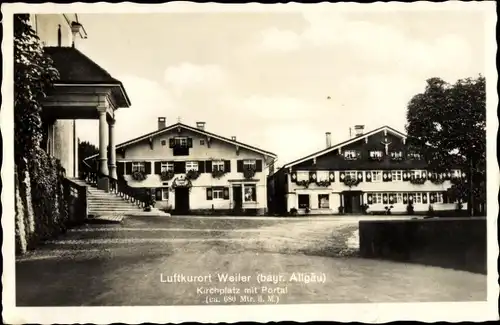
x=371, y=313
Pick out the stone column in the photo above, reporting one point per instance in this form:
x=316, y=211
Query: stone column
x=112, y=150
x=103, y=157
x=102, y=180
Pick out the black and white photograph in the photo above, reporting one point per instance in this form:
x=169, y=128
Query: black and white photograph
x=223, y=163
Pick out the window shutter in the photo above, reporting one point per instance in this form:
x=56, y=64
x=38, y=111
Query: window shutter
x=424, y=174
x=258, y=165
x=405, y=198
x=331, y=176
x=369, y=198
x=227, y=166
x=424, y=198
x=157, y=167
x=209, y=193
x=312, y=176
x=201, y=166
x=179, y=167
x=239, y=166
x=226, y=193
x=384, y=198
x=391, y=198
x=158, y=194
x=342, y=176
x=293, y=176
x=432, y=198
x=368, y=176
x=405, y=176
x=128, y=168
x=171, y=142
x=147, y=167
x=389, y=176
x=385, y=177
x=120, y=168
x=360, y=176
x=208, y=166
x=190, y=142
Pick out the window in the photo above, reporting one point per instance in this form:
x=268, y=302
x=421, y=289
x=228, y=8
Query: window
x=397, y=154
x=418, y=198
x=218, y=194
x=302, y=176
x=377, y=198
x=167, y=167
x=352, y=175
x=218, y=166
x=439, y=198
x=250, y=193
x=416, y=173
x=399, y=198
x=181, y=142
x=138, y=167
x=351, y=154
x=250, y=164
x=376, y=176
x=376, y=154
x=162, y=194
x=303, y=201
x=323, y=201
x=397, y=175
x=414, y=155
x=163, y=142
x=191, y=165
x=202, y=142
x=322, y=175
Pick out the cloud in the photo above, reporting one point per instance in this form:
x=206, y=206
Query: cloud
x=275, y=107
x=274, y=39
x=187, y=76
x=377, y=43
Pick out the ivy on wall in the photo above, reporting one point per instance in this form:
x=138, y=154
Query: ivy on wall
x=41, y=208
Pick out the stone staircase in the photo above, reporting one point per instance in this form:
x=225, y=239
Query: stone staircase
x=106, y=205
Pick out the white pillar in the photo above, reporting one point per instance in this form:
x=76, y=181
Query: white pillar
x=112, y=150
x=103, y=159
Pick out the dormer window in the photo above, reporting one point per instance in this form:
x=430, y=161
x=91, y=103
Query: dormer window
x=181, y=142
x=181, y=145
x=397, y=155
x=351, y=154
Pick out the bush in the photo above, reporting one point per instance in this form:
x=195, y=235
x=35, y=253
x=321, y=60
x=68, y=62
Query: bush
x=293, y=211
x=364, y=208
x=430, y=211
x=341, y=210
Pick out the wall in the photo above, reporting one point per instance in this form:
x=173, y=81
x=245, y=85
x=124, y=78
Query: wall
x=394, y=186
x=46, y=26
x=458, y=243
x=63, y=147
x=144, y=151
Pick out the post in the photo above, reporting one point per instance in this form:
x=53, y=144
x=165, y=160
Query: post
x=112, y=150
x=102, y=181
x=471, y=190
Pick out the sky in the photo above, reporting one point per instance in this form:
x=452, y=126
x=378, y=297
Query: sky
x=278, y=80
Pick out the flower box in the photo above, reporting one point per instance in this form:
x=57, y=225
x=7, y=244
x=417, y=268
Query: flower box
x=304, y=183
x=248, y=172
x=218, y=173
x=167, y=175
x=417, y=180
x=139, y=175
x=350, y=181
x=192, y=174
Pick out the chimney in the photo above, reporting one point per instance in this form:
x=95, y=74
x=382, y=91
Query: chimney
x=162, y=123
x=59, y=37
x=75, y=30
x=328, y=139
x=200, y=125
x=359, y=130
x=233, y=138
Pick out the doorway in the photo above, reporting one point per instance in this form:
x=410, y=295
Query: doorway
x=352, y=202
x=237, y=198
x=181, y=200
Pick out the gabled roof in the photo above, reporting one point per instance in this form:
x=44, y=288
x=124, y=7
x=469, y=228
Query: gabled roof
x=193, y=129
x=345, y=143
x=75, y=68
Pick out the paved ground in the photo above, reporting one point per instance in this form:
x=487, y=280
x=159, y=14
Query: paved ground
x=134, y=263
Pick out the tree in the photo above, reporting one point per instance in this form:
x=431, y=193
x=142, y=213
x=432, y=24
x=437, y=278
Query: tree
x=447, y=124
x=33, y=78
x=85, y=150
